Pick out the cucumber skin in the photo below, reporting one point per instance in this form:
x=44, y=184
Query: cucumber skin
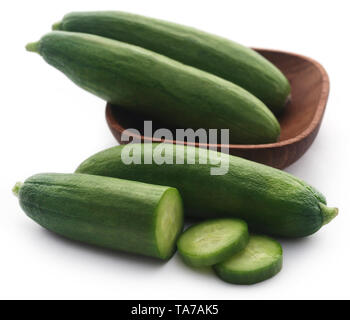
x=246, y=279
x=149, y=83
x=254, y=277
x=107, y=212
x=271, y=201
x=220, y=256
x=216, y=55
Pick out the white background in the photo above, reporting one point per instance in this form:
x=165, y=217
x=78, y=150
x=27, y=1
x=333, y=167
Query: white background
x=50, y=125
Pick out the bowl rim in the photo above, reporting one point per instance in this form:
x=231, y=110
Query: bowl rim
x=321, y=105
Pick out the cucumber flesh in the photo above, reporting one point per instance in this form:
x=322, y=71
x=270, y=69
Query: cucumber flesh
x=260, y=260
x=213, y=241
x=169, y=222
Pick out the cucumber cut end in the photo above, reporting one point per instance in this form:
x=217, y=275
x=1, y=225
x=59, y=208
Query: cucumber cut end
x=57, y=26
x=33, y=47
x=16, y=188
x=259, y=261
x=328, y=213
x=169, y=222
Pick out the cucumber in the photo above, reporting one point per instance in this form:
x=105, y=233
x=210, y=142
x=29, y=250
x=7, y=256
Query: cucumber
x=216, y=55
x=152, y=84
x=108, y=212
x=260, y=260
x=269, y=200
x=213, y=241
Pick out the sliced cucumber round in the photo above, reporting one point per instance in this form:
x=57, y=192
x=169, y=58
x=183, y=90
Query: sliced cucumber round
x=213, y=241
x=260, y=260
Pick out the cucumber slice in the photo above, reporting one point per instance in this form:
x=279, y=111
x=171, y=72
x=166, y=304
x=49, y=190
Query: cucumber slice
x=213, y=241
x=260, y=260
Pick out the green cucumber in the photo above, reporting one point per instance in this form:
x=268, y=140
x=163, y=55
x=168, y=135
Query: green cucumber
x=212, y=241
x=260, y=260
x=108, y=212
x=152, y=84
x=216, y=55
x=270, y=200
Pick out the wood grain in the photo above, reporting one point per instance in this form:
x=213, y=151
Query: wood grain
x=300, y=122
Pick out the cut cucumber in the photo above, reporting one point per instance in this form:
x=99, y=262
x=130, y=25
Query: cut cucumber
x=260, y=260
x=112, y=213
x=213, y=241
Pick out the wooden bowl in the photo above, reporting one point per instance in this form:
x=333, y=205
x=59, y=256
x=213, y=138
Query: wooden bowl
x=299, y=123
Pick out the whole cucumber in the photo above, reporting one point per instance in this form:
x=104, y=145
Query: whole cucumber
x=219, y=56
x=152, y=84
x=108, y=212
x=270, y=200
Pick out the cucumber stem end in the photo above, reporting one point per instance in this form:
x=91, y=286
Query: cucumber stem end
x=16, y=188
x=328, y=213
x=57, y=26
x=33, y=47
